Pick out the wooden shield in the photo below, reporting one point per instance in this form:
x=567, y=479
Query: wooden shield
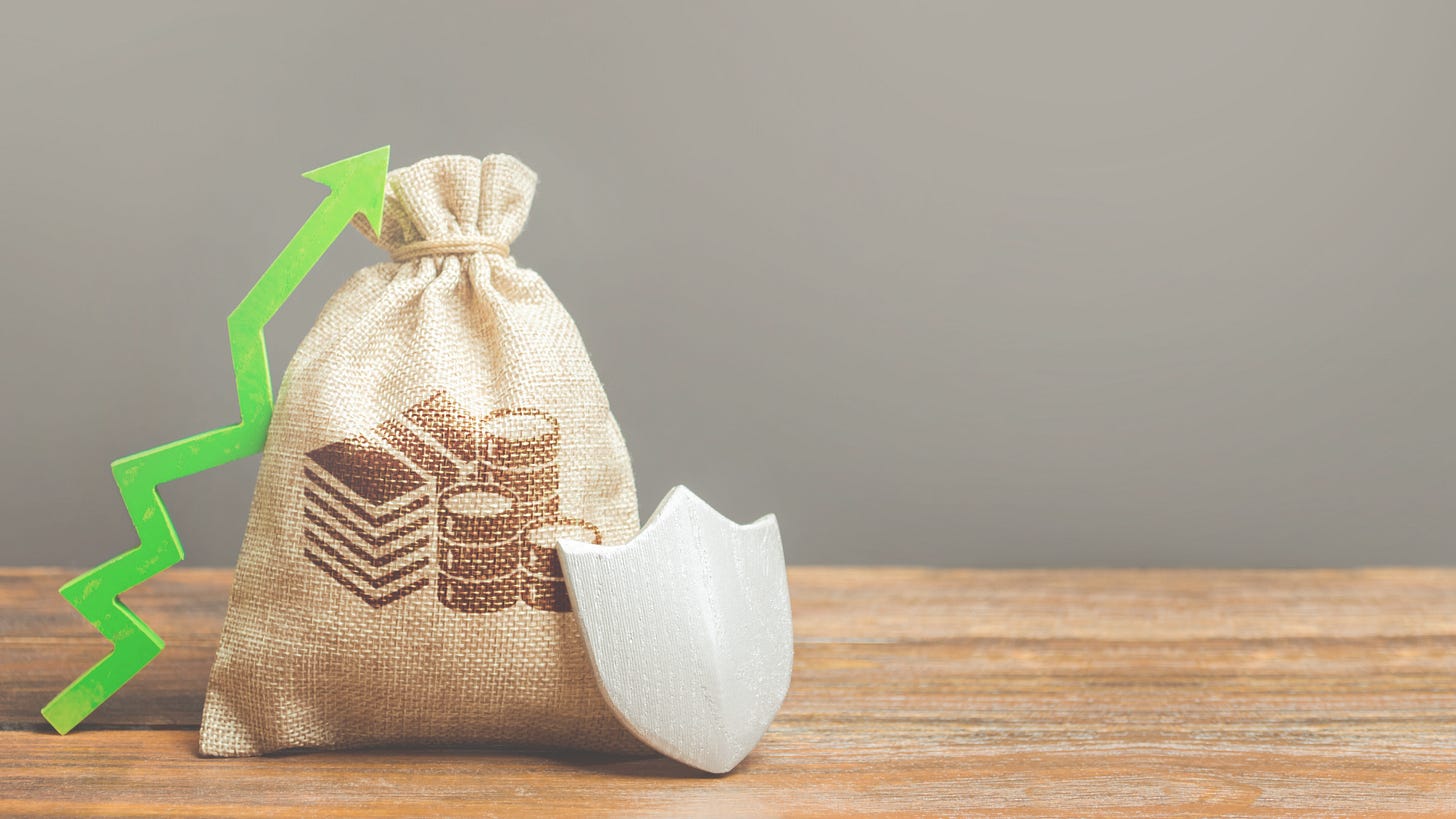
x=688, y=629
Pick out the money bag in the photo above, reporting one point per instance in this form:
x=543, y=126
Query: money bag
x=437, y=432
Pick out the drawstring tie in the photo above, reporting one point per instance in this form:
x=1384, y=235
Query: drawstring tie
x=448, y=247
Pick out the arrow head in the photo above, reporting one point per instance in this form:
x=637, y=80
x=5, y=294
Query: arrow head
x=358, y=182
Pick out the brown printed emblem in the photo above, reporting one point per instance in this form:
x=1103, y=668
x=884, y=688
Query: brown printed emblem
x=484, y=490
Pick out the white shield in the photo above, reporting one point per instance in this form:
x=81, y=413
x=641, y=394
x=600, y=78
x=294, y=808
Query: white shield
x=688, y=629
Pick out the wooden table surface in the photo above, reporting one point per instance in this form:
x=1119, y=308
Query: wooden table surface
x=974, y=693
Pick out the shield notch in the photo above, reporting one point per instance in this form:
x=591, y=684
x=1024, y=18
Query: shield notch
x=688, y=629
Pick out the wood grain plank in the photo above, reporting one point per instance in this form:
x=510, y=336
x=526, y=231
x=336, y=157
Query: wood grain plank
x=178, y=603
x=166, y=694
x=841, y=603
x=793, y=772
x=1044, y=693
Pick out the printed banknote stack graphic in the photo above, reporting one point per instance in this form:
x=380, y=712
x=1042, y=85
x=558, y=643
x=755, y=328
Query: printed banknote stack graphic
x=366, y=515
x=485, y=490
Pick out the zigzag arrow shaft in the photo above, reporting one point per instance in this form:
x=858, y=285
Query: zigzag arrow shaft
x=357, y=186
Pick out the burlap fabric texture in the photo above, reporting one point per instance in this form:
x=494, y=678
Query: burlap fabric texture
x=437, y=431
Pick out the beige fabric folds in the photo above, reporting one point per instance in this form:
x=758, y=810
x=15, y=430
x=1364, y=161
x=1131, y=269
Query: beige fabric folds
x=437, y=431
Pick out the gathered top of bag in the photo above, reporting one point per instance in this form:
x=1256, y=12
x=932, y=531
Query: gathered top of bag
x=453, y=205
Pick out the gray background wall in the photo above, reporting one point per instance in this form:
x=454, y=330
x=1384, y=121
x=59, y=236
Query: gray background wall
x=945, y=283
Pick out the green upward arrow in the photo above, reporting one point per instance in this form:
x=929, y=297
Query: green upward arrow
x=357, y=186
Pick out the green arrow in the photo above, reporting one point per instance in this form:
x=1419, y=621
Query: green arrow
x=356, y=186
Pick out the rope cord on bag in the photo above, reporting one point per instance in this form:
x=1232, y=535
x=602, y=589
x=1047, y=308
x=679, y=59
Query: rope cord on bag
x=447, y=247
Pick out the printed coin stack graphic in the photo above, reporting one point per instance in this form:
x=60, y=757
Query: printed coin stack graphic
x=542, y=583
x=496, y=507
x=365, y=511
x=481, y=524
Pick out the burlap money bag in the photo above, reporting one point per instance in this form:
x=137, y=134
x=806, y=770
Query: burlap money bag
x=437, y=431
